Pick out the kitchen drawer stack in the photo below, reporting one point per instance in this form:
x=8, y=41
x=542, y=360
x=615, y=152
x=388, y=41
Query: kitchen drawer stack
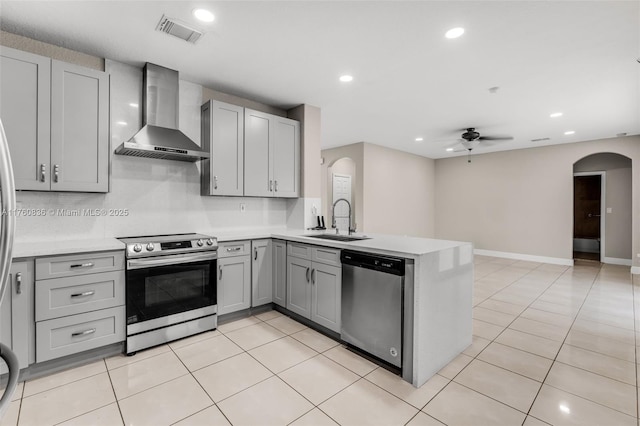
x=79, y=303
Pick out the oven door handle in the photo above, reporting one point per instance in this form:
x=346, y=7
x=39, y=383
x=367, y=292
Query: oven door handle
x=169, y=260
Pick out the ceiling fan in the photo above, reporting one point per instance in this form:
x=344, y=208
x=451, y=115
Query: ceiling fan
x=471, y=139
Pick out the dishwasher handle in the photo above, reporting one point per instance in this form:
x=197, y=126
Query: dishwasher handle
x=380, y=263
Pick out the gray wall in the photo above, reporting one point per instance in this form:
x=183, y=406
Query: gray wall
x=522, y=201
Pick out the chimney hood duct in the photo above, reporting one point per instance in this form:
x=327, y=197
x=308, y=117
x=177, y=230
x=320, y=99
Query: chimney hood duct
x=159, y=136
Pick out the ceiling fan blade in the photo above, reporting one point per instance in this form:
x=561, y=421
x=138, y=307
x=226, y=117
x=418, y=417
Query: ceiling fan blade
x=456, y=143
x=496, y=138
x=460, y=150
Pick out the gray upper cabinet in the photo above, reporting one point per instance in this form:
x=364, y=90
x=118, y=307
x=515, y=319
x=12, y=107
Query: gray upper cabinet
x=223, y=137
x=79, y=128
x=56, y=116
x=272, y=155
x=25, y=91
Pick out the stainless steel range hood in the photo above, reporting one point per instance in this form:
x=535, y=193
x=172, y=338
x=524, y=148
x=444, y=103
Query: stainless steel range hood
x=159, y=136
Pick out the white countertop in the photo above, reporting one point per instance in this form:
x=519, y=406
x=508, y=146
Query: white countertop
x=378, y=243
x=54, y=248
x=404, y=246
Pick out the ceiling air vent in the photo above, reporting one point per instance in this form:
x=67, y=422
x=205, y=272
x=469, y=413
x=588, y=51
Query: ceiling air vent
x=177, y=29
x=540, y=139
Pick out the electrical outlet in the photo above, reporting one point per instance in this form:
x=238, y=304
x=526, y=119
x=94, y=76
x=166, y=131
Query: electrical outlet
x=609, y=210
x=638, y=254
x=243, y=207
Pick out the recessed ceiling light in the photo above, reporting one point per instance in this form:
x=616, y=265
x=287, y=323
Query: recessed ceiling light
x=555, y=115
x=203, y=15
x=133, y=105
x=346, y=78
x=564, y=408
x=454, y=32
x=121, y=123
x=419, y=139
x=569, y=132
x=449, y=149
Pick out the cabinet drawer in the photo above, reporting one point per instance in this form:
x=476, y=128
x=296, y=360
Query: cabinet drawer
x=78, y=264
x=60, y=297
x=326, y=255
x=76, y=333
x=234, y=248
x=302, y=251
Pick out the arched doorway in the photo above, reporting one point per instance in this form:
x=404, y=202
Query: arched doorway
x=602, y=210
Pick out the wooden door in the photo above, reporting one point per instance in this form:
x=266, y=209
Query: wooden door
x=258, y=181
x=326, y=282
x=261, y=273
x=223, y=138
x=234, y=284
x=586, y=206
x=280, y=273
x=299, y=286
x=25, y=91
x=286, y=157
x=79, y=129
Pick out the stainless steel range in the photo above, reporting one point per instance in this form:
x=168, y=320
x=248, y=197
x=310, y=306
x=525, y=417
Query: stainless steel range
x=170, y=288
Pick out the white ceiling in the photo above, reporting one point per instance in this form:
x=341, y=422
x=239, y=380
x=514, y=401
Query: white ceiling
x=577, y=57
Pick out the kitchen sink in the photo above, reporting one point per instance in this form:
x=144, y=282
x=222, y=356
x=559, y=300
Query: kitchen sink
x=337, y=237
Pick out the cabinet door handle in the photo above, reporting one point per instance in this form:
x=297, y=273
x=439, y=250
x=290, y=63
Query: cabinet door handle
x=84, y=294
x=270, y=186
x=255, y=253
x=313, y=276
x=275, y=185
x=220, y=268
x=83, y=333
x=81, y=265
x=19, y=283
x=215, y=182
x=43, y=172
x=56, y=173
x=307, y=275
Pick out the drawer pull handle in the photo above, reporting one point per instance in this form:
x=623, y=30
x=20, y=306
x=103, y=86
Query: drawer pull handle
x=84, y=294
x=234, y=249
x=82, y=265
x=84, y=333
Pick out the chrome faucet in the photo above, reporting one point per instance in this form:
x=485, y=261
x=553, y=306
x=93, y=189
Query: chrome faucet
x=333, y=214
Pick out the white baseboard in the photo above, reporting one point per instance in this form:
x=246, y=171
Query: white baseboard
x=635, y=270
x=527, y=257
x=617, y=261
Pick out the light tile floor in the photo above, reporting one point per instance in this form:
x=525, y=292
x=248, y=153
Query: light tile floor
x=552, y=345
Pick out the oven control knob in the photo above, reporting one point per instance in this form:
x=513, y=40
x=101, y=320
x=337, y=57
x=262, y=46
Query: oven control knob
x=137, y=248
x=200, y=243
x=209, y=241
x=150, y=247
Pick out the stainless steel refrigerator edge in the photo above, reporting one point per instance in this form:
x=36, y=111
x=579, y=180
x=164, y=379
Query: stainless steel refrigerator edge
x=7, y=230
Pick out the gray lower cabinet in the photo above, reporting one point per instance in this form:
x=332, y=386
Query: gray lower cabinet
x=16, y=314
x=234, y=276
x=261, y=272
x=279, y=268
x=79, y=303
x=56, y=117
x=314, y=283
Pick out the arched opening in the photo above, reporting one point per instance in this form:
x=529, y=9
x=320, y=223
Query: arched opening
x=341, y=184
x=602, y=208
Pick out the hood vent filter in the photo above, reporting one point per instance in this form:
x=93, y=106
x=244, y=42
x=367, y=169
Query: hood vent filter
x=177, y=29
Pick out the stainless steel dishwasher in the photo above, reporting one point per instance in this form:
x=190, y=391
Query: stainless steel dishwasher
x=372, y=304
